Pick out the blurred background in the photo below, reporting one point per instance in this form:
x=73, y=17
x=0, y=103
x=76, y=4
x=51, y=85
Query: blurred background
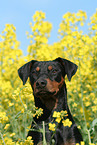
x=19, y=13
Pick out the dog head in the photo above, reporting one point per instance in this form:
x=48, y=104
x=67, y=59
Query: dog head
x=47, y=77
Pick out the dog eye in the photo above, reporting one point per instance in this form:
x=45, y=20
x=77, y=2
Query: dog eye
x=34, y=73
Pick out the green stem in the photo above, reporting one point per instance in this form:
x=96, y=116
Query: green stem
x=89, y=136
x=2, y=138
x=54, y=133
x=44, y=139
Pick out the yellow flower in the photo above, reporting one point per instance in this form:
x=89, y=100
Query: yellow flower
x=29, y=137
x=11, y=104
x=6, y=126
x=22, y=110
x=58, y=119
x=12, y=134
x=56, y=114
x=3, y=117
x=28, y=141
x=52, y=126
x=67, y=122
x=82, y=143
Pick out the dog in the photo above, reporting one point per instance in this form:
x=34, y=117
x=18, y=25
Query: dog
x=50, y=94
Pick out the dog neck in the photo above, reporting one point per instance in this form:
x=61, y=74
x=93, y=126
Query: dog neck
x=55, y=103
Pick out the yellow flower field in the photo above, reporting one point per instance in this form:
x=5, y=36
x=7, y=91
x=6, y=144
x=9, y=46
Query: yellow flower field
x=17, y=107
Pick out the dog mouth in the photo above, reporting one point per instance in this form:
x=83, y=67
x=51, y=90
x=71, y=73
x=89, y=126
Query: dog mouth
x=44, y=94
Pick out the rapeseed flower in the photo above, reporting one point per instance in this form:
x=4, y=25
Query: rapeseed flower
x=67, y=122
x=52, y=126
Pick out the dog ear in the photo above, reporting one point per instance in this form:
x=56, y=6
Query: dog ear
x=69, y=67
x=24, y=71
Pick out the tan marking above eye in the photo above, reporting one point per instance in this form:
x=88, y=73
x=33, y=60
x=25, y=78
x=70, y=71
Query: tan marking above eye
x=37, y=68
x=50, y=67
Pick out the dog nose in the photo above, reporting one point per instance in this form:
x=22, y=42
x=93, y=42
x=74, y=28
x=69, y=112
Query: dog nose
x=41, y=83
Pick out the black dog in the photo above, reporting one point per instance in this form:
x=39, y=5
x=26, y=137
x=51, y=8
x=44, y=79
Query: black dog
x=49, y=89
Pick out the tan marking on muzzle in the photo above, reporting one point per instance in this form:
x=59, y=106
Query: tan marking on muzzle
x=54, y=86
